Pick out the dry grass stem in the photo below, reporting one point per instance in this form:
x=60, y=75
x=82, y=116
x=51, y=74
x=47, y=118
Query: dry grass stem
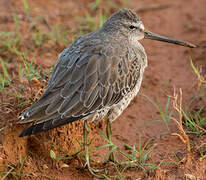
x=177, y=105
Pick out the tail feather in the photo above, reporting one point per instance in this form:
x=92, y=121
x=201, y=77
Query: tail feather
x=36, y=115
x=37, y=109
x=44, y=126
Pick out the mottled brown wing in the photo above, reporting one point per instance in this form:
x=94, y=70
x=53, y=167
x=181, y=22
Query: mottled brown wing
x=87, y=77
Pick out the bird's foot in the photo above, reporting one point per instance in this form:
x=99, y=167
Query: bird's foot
x=94, y=171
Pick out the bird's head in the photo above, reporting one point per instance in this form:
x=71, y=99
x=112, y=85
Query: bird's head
x=128, y=24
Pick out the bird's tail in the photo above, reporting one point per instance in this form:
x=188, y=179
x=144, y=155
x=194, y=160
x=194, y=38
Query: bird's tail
x=44, y=126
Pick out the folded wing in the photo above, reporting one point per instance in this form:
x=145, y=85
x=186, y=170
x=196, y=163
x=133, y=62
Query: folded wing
x=88, y=77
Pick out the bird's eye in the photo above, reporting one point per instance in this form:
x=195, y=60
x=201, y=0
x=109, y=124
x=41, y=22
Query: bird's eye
x=132, y=27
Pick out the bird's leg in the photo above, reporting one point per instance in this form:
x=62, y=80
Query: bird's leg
x=86, y=147
x=109, y=136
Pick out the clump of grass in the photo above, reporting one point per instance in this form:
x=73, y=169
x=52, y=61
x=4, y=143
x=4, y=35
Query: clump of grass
x=95, y=5
x=29, y=70
x=27, y=9
x=202, y=152
x=4, y=174
x=137, y=158
x=9, y=41
x=14, y=171
x=91, y=23
x=164, y=111
x=97, y=15
x=4, y=77
x=193, y=119
x=200, y=82
x=197, y=71
x=58, y=34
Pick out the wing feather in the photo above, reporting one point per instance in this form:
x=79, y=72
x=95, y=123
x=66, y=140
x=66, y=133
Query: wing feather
x=92, y=97
x=69, y=88
x=54, y=105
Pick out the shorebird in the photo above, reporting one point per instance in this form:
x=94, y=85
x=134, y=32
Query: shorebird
x=98, y=75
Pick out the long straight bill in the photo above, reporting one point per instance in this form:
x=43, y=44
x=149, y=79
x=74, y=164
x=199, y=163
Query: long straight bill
x=153, y=36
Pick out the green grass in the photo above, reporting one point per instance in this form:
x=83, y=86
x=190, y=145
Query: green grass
x=137, y=158
x=14, y=171
x=201, y=81
x=30, y=70
x=164, y=111
x=95, y=5
x=96, y=16
x=194, y=121
x=202, y=152
x=14, y=45
x=27, y=70
x=9, y=41
x=91, y=23
x=196, y=71
x=193, y=118
x=10, y=170
x=13, y=41
x=58, y=34
x=27, y=9
x=4, y=77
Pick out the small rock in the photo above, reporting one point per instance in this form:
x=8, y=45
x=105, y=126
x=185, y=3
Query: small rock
x=190, y=177
x=64, y=165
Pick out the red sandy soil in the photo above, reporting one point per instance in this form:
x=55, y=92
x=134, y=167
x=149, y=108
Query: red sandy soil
x=169, y=68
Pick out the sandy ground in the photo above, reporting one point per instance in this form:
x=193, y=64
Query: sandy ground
x=169, y=68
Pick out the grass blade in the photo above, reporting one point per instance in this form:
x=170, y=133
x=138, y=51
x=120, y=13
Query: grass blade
x=111, y=150
x=5, y=72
